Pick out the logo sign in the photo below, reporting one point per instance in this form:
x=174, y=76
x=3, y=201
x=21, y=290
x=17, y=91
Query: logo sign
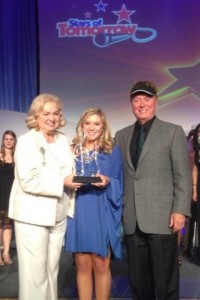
x=104, y=35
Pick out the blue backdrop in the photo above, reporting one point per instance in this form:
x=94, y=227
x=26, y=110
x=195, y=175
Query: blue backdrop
x=18, y=54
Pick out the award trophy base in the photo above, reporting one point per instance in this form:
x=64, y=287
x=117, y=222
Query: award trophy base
x=86, y=179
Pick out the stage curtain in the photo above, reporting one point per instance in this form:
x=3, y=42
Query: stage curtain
x=18, y=54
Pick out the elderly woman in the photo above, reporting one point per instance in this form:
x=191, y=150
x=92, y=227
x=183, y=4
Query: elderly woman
x=40, y=198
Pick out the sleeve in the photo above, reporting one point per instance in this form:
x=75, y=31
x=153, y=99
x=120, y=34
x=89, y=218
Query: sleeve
x=114, y=194
x=35, y=176
x=115, y=173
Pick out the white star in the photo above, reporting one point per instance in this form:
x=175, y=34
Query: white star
x=87, y=15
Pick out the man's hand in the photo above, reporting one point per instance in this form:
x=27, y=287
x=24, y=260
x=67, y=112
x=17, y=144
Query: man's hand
x=177, y=222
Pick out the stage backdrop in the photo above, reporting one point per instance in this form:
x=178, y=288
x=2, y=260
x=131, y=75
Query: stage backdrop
x=92, y=51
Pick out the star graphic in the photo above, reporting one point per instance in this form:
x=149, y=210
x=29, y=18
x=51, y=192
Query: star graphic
x=101, y=6
x=187, y=79
x=87, y=15
x=123, y=14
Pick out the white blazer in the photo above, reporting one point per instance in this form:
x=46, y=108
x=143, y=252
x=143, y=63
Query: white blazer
x=37, y=195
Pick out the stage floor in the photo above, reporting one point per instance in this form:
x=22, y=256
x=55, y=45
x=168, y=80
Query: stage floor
x=189, y=280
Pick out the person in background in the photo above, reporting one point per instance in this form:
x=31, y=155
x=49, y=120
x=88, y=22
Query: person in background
x=40, y=197
x=8, y=144
x=185, y=236
x=190, y=142
x=157, y=196
x=94, y=232
x=195, y=247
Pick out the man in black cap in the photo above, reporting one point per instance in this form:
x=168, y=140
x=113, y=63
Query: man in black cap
x=157, y=196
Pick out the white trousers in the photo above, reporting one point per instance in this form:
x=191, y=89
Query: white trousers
x=39, y=249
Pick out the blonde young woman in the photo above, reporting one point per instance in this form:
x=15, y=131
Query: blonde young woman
x=94, y=232
x=6, y=180
x=40, y=198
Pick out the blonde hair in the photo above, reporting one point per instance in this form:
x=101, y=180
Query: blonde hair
x=37, y=107
x=2, y=151
x=105, y=141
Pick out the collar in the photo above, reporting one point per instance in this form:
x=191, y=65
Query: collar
x=147, y=125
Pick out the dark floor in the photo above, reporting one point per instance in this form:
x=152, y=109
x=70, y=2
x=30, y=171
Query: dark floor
x=189, y=279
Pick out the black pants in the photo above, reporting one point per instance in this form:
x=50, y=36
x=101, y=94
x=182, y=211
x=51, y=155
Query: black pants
x=153, y=266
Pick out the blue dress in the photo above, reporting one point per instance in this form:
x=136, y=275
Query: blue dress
x=96, y=224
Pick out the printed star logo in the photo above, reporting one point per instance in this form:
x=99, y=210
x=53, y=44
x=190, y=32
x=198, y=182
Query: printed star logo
x=87, y=15
x=123, y=14
x=186, y=80
x=101, y=6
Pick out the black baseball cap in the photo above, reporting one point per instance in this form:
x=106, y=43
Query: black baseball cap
x=145, y=87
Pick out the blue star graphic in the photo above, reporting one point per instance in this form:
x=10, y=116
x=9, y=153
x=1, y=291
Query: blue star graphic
x=187, y=79
x=101, y=6
x=123, y=14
